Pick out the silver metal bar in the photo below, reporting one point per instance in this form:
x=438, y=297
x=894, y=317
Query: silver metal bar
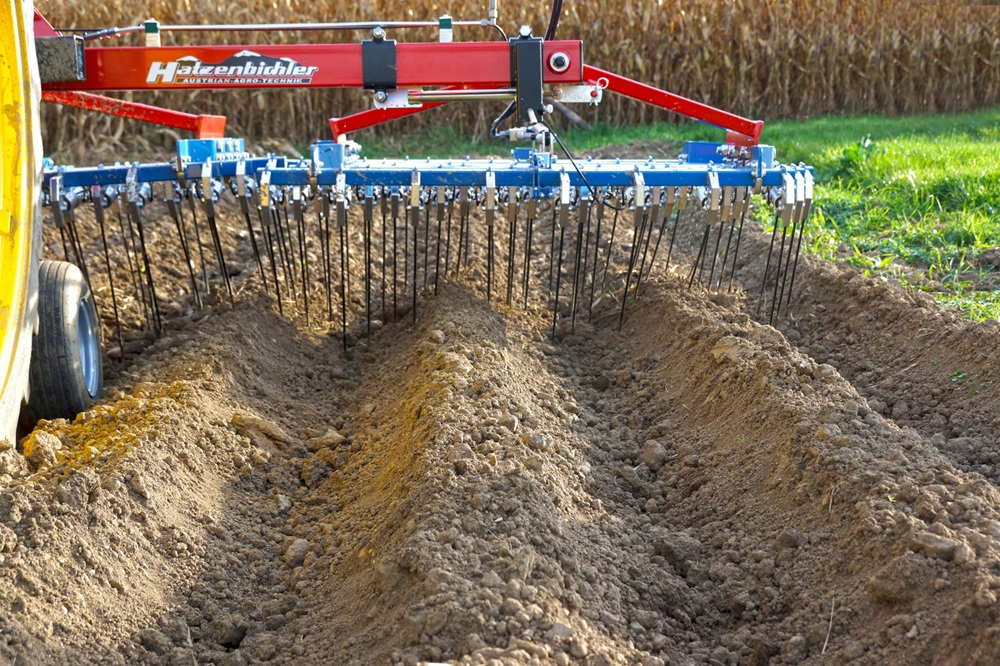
x=277, y=27
x=420, y=96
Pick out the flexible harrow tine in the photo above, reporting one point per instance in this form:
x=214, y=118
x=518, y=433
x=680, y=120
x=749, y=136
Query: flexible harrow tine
x=191, y=194
x=671, y=200
x=177, y=213
x=415, y=217
x=728, y=193
x=512, y=209
x=369, y=215
x=681, y=201
x=597, y=249
x=738, y=197
x=739, y=235
x=583, y=209
x=807, y=205
x=440, y=203
x=97, y=197
x=490, y=204
x=611, y=243
x=323, y=210
x=298, y=206
x=383, y=204
x=650, y=223
x=269, y=244
x=133, y=214
x=342, y=241
x=74, y=240
x=129, y=252
x=532, y=213
x=394, y=200
x=638, y=222
x=242, y=192
x=796, y=216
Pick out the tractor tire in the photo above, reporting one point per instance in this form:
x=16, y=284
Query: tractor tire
x=66, y=372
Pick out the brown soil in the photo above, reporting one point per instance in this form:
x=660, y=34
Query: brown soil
x=695, y=488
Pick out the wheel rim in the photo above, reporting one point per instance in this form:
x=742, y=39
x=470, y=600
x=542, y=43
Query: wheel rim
x=89, y=344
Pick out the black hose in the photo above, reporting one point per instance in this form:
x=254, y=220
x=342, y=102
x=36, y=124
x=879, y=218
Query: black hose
x=550, y=31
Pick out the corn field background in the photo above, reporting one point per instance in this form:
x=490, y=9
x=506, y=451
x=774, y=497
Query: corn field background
x=765, y=59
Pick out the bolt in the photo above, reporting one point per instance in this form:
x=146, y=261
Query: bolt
x=525, y=31
x=381, y=96
x=378, y=33
x=547, y=108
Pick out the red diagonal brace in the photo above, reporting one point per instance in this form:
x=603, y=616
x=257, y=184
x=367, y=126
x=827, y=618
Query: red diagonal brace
x=204, y=127
x=741, y=130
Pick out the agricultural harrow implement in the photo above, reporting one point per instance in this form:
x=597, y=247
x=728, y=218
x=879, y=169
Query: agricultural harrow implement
x=343, y=240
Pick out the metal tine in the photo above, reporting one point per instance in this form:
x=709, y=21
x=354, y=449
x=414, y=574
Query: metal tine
x=394, y=200
x=136, y=197
x=426, y=197
x=639, y=212
x=406, y=240
x=265, y=202
x=714, y=204
x=415, y=216
x=611, y=242
x=369, y=214
x=74, y=239
x=476, y=197
x=440, y=201
x=806, y=208
x=783, y=213
x=243, y=193
x=532, y=215
x=800, y=198
x=552, y=244
x=513, y=204
x=728, y=193
x=210, y=190
x=463, y=222
x=651, y=217
x=599, y=202
x=383, y=204
x=129, y=252
x=668, y=208
x=191, y=192
x=342, y=239
x=323, y=206
x=97, y=197
x=447, y=241
x=740, y=211
x=285, y=238
x=63, y=204
x=682, y=198
x=564, y=206
x=298, y=208
x=491, y=211
x=172, y=199
x=583, y=222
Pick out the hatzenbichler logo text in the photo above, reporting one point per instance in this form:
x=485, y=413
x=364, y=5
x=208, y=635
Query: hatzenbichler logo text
x=245, y=67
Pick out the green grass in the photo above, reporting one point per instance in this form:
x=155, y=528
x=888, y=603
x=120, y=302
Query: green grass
x=915, y=198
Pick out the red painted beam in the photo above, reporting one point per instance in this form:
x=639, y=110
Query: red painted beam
x=471, y=64
x=204, y=127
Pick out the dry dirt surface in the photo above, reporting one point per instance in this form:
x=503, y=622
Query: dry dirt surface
x=697, y=487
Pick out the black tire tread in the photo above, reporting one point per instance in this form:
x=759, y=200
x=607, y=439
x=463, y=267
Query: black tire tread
x=56, y=377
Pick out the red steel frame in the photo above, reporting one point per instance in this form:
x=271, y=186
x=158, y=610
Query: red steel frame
x=480, y=65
